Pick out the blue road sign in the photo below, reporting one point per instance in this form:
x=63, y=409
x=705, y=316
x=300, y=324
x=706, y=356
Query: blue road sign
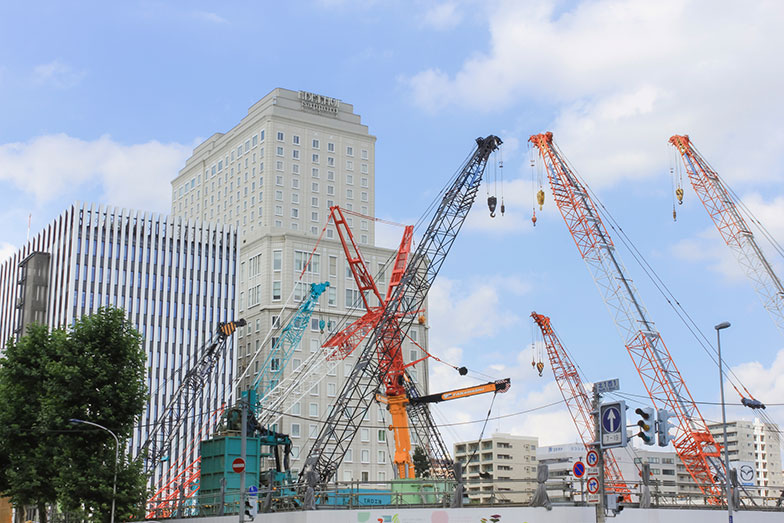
x=578, y=469
x=611, y=419
x=613, y=424
x=253, y=490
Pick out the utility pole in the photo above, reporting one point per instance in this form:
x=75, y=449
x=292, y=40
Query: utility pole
x=600, y=518
x=243, y=452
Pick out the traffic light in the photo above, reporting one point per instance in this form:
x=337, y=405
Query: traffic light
x=663, y=416
x=647, y=424
x=250, y=510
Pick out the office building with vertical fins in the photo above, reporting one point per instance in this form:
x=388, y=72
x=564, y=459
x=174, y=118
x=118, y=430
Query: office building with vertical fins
x=174, y=278
x=274, y=177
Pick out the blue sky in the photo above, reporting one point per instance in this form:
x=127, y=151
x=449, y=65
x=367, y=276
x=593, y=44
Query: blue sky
x=104, y=102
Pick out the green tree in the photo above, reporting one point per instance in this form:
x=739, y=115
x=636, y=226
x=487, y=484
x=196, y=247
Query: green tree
x=28, y=437
x=95, y=372
x=421, y=463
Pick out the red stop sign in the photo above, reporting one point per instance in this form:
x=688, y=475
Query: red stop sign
x=238, y=465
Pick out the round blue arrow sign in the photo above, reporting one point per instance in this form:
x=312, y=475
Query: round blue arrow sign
x=578, y=469
x=611, y=419
x=593, y=486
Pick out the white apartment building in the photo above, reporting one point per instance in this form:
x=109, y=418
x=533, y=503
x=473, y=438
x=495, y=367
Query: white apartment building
x=756, y=443
x=175, y=279
x=500, y=469
x=274, y=177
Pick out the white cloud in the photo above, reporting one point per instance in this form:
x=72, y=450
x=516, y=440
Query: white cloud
x=442, y=16
x=622, y=76
x=765, y=383
x=6, y=251
x=137, y=176
x=207, y=16
x=57, y=74
x=461, y=311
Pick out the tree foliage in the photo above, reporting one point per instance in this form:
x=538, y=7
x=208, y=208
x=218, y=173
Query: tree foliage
x=94, y=371
x=421, y=463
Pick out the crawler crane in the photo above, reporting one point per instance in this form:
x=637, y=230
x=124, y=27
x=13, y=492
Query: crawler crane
x=577, y=401
x=733, y=228
x=380, y=366
x=666, y=387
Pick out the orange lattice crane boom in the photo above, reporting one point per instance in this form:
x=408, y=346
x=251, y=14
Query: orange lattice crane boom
x=577, y=401
x=733, y=228
x=666, y=387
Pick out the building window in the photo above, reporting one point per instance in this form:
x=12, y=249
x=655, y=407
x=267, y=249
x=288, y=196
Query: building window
x=364, y=435
x=280, y=136
x=315, y=158
x=295, y=139
x=382, y=456
x=276, y=291
x=349, y=151
x=279, y=151
x=330, y=147
x=349, y=165
x=348, y=457
x=314, y=187
x=364, y=457
x=315, y=143
x=332, y=390
x=315, y=172
x=295, y=154
x=278, y=196
x=294, y=197
x=382, y=435
x=364, y=154
x=332, y=296
x=295, y=430
x=313, y=410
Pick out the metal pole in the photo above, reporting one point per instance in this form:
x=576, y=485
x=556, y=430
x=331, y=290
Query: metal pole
x=243, y=449
x=718, y=328
x=600, y=517
x=116, y=456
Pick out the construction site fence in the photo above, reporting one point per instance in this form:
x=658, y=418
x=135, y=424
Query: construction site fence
x=424, y=493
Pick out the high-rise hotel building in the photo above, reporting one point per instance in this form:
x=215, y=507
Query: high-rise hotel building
x=274, y=177
x=174, y=278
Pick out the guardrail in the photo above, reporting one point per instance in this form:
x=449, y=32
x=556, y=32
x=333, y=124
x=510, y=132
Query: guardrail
x=423, y=493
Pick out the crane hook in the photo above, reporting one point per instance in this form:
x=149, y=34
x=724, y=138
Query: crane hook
x=679, y=195
x=540, y=198
x=533, y=218
x=540, y=368
x=491, y=203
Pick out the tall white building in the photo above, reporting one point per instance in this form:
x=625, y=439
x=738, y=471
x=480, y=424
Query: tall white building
x=756, y=443
x=499, y=469
x=274, y=176
x=175, y=279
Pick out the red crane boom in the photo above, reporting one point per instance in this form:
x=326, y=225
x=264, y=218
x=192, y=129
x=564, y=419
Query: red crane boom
x=666, y=387
x=733, y=228
x=577, y=401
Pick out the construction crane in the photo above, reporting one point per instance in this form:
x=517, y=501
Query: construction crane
x=349, y=338
x=186, y=474
x=724, y=212
x=180, y=406
x=285, y=344
x=577, y=401
x=380, y=365
x=692, y=441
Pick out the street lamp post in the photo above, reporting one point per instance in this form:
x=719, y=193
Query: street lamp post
x=718, y=328
x=116, y=456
